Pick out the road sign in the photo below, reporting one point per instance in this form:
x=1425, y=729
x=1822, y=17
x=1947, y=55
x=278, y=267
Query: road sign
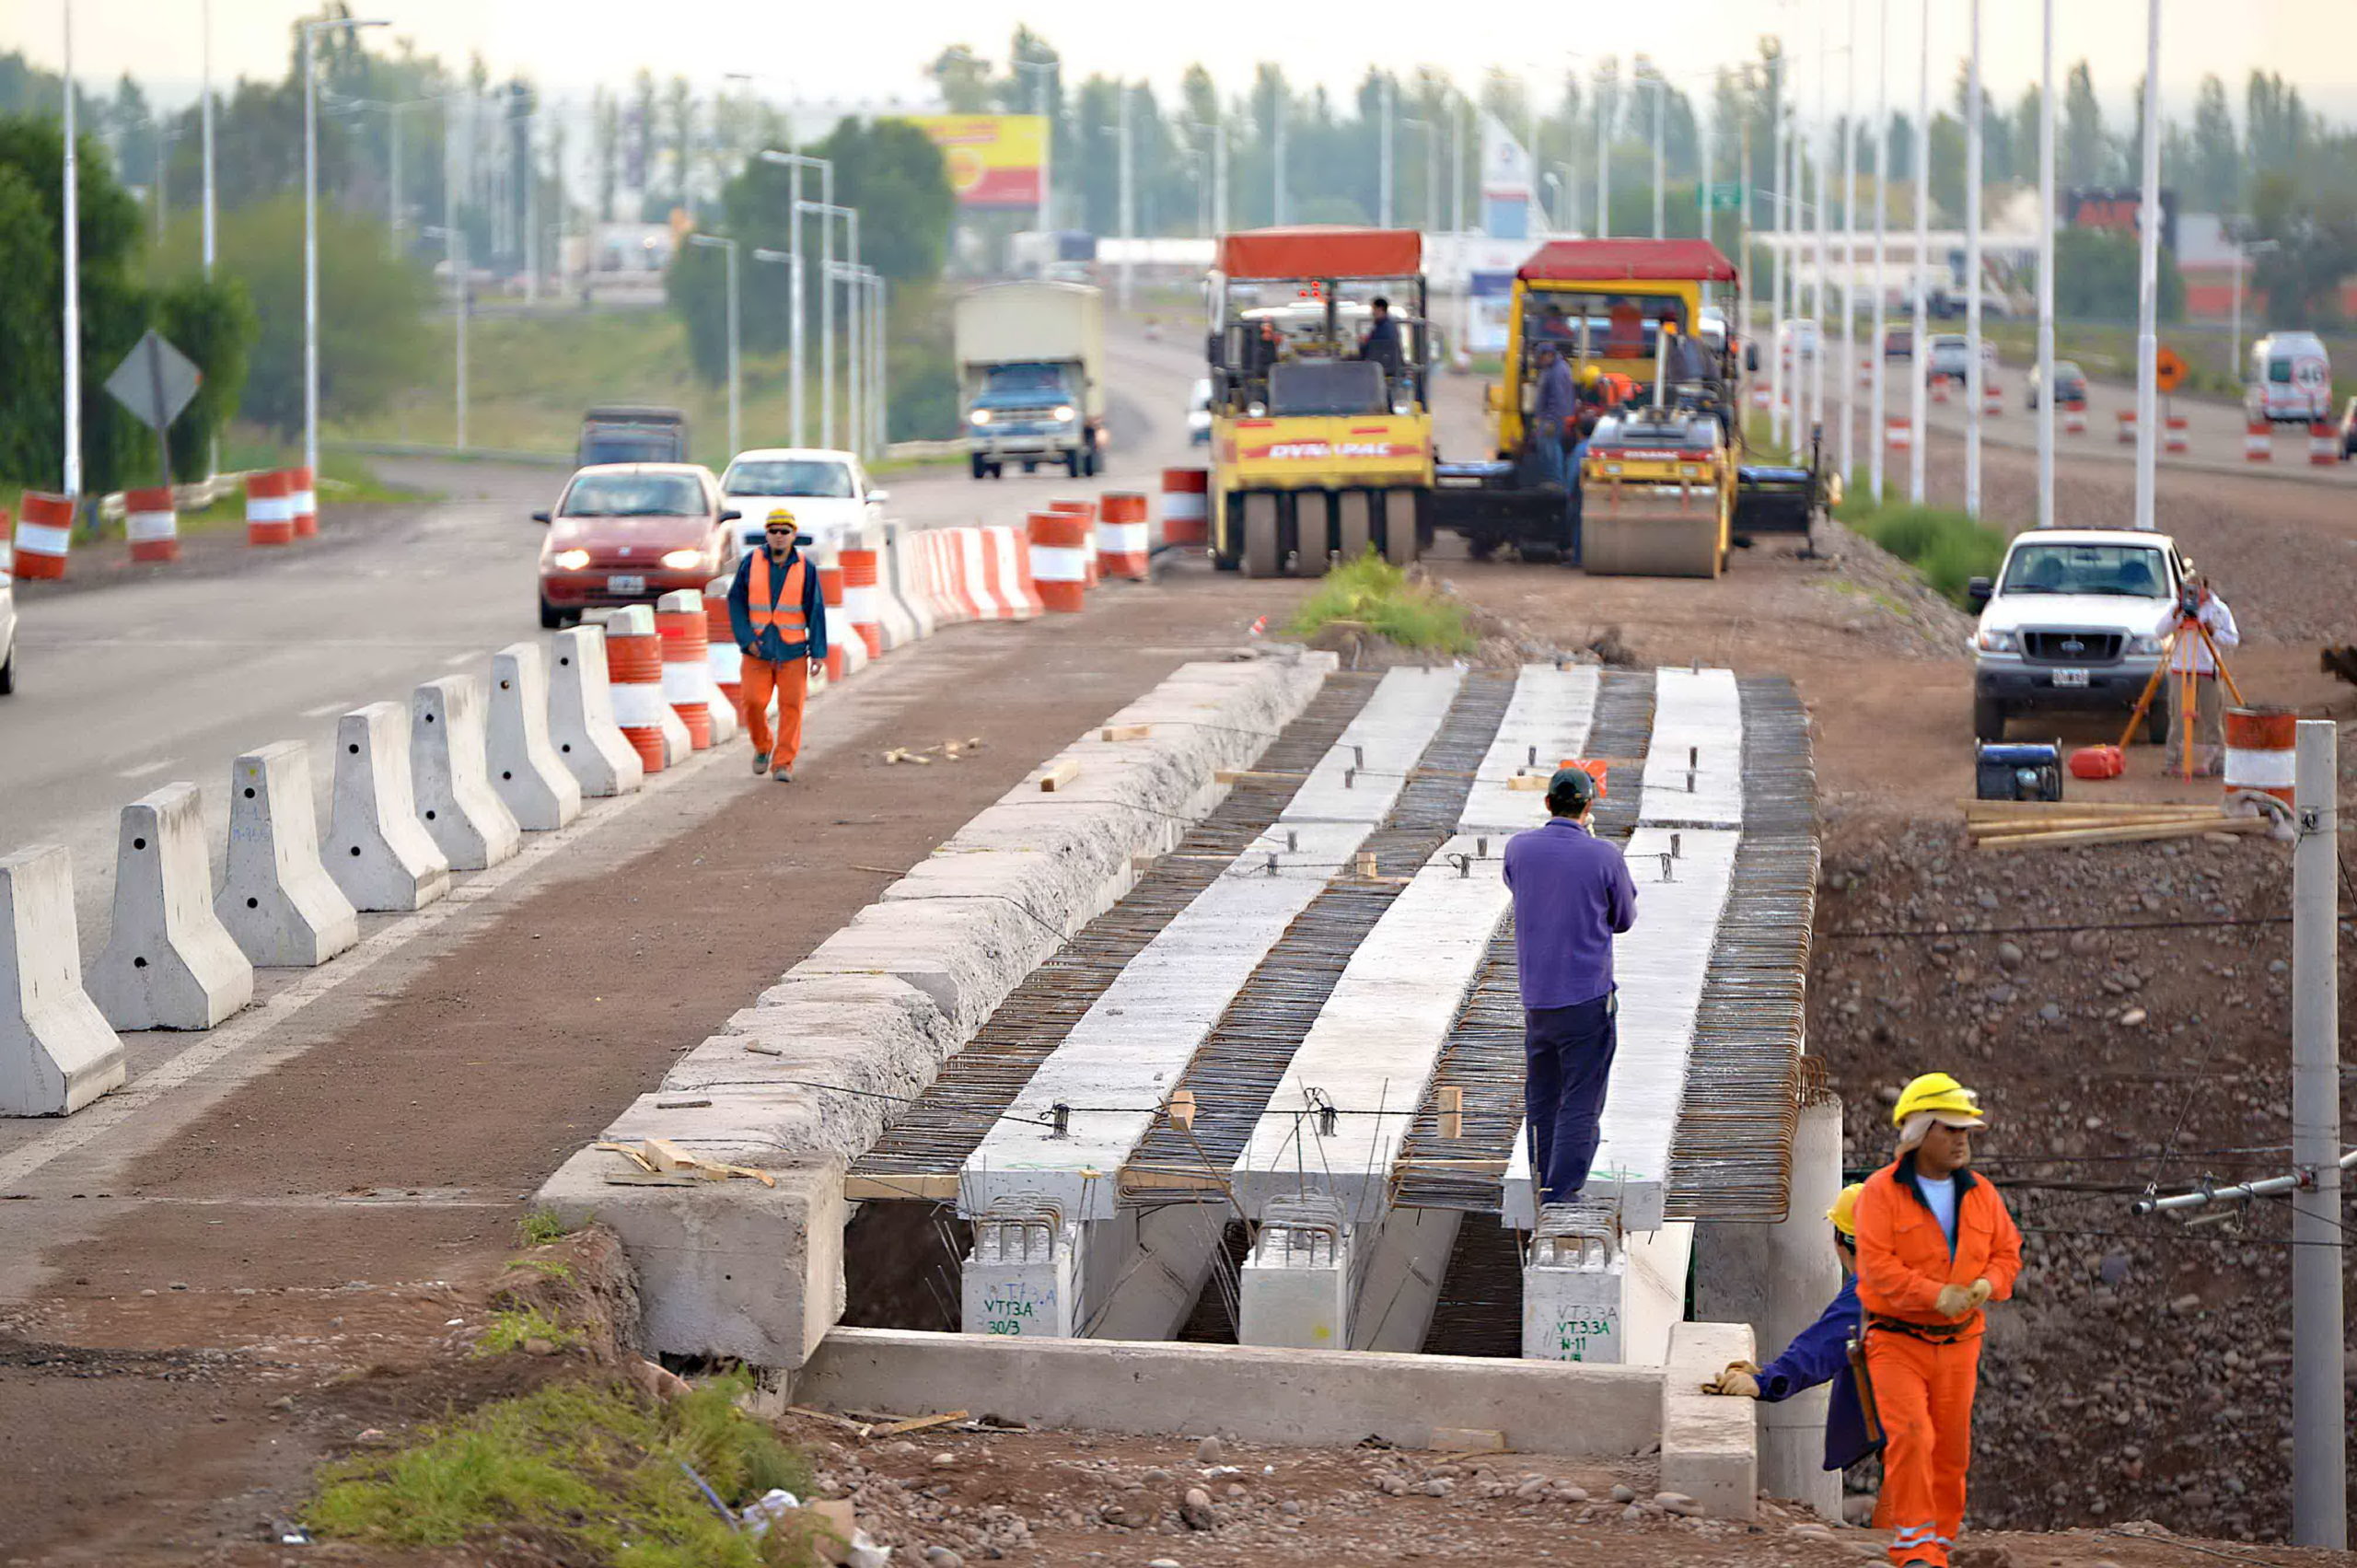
x=2168, y=370
x=154, y=381
x=1724, y=196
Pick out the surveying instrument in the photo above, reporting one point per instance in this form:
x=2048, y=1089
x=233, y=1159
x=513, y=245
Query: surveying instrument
x=2189, y=599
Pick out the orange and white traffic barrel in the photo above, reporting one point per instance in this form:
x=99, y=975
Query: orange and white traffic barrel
x=2260, y=744
x=2176, y=434
x=1939, y=389
x=2128, y=428
x=1186, y=506
x=723, y=657
x=862, y=567
x=686, y=678
x=1899, y=434
x=831, y=589
x=1122, y=548
x=1086, y=512
x=635, y=670
x=2075, y=417
x=44, y=535
x=1992, y=396
x=150, y=524
x=1059, y=546
x=269, y=507
x=302, y=490
x=2258, y=441
x=2324, y=445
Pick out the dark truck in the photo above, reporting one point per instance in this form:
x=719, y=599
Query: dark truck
x=626, y=433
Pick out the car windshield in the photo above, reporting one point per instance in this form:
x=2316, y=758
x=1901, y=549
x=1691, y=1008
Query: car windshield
x=789, y=476
x=633, y=495
x=1042, y=378
x=2129, y=570
x=631, y=445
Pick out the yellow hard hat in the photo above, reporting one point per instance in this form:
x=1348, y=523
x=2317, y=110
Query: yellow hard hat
x=1941, y=1095
x=1844, y=1212
x=1590, y=374
x=780, y=516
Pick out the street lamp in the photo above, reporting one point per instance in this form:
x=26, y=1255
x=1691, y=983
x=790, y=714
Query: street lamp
x=1603, y=159
x=454, y=244
x=1923, y=145
x=1047, y=74
x=825, y=211
x=2243, y=251
x=797, y=163
x=1431, y=169
x=310, y=31
x=729, y=247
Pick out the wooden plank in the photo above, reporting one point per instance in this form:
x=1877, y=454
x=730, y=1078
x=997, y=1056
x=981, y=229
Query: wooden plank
x=1450, y=1103
x=2138, y=833
x=1125, y=732
x=1182, y=1109
x=1239, y=775
x=2015, y=828
x=2086, y=808
x=917, y=1424
x=901, y=1189
x=1058, y=776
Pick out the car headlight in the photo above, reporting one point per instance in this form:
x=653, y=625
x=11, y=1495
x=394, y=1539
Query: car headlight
x=571, y=560
x=683, y=560
x=2149, y=644
x=1064, y=412
x=1996, y=642
x=980, y=416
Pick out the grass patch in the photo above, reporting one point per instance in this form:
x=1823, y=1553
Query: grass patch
x=512, y=1330
x=588, y=1467
x=1373, y=593
x=539, y=1228
x=1948, y=547
x=547, y=1268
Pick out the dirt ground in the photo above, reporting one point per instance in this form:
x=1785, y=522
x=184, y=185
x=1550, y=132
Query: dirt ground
x=293, y=1271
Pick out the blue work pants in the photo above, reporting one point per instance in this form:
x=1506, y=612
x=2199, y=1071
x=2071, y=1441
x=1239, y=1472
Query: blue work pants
x=1568, y=1058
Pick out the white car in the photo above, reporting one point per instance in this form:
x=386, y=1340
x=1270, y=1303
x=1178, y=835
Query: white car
x=1198, y=414
x=1951, y=355
x=1796, y=330
x=7, y=632
x=828, y=491
x=2074, y=618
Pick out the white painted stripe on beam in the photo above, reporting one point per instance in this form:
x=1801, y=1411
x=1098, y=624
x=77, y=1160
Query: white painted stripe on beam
x=1694, y=762
x=1372, y=1050
x=1546, y=722
x=1659, y=966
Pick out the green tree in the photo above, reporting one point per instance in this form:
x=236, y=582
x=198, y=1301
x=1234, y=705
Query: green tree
x=963, y=79
x=2315, y=238
x=2096, y=277
x=30, y=424
x=213, y=322
x=2085, y=153
x=2215, y=180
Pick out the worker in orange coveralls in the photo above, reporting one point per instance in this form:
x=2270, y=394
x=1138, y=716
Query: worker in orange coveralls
x=1934, y=1245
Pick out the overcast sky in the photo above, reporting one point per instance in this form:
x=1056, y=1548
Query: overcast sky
x=836, y=51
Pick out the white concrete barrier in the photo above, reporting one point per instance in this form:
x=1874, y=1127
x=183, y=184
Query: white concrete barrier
x=904, y=618
x=378, y=852
x=581, y=717
x=56, y=1052
x=526, y=772
x=449, y=775
x=170, y=963
x=277, y=899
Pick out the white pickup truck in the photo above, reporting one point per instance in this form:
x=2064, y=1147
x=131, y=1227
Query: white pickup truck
x=2074, y=618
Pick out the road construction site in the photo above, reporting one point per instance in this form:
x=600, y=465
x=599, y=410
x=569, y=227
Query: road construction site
x=1266, y=883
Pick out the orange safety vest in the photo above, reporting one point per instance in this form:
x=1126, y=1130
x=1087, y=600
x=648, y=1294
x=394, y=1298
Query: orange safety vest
x=1903, y=1254
x=782, y=611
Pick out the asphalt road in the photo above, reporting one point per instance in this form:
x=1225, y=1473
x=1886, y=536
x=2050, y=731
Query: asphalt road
x=125, y=688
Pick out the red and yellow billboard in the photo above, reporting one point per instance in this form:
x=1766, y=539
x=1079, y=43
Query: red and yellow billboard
x=995, y=160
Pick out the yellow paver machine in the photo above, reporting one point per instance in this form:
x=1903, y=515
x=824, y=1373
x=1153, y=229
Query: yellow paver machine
x=1321, y=433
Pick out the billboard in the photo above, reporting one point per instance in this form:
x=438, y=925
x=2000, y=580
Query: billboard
x=994, y=160
x=1506, y=192
x=2117, y=211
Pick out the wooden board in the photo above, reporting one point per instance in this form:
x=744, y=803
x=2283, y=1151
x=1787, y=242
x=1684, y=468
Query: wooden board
x=1125, y=732
x=2137, y=833
x=1058, y=776
x=903, y=1188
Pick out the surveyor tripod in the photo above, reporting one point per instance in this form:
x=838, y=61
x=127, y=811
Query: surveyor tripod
x=2189, y=621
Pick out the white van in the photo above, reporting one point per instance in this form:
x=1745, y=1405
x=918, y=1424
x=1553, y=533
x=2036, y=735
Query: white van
x=2289, y=381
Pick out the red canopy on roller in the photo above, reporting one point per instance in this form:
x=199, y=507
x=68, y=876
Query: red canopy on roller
x=1322, y=251
x=1600, y=260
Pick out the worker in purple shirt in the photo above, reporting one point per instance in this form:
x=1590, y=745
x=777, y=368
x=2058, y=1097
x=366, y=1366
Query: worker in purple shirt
x=1572, y=895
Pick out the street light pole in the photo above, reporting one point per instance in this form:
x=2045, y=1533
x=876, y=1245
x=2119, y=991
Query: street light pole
x=1128, y=199
x=1277, y=113
x=826, y=212
x=795, y=163
x=1921, y=348
x=1877, y=426
x=729, y=249
x=1781, y=212
x=311, y=230
x=1383, y=198
x=1973, y=374
x=2046, y=272
x=1847, y=360
x=204, y=124
x=1603, y=162
x=2148, y=396
x=71, y=464
x=454, y=245
x=1661, y=153
x=854, y=352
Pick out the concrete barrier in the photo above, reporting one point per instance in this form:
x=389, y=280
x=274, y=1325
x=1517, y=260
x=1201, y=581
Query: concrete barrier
x=906, y=619
x=170, y=963
x=526, y=772
x=378, y=852
x=1710, y=1445
x=56, y=1052
x=277, y=901
x=449, y=774
x=1309, y=1397
x=581, y=717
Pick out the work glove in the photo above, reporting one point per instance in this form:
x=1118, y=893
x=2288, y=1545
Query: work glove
x=1741, y=1380
x=1954, y=1301
x=1981, y=1292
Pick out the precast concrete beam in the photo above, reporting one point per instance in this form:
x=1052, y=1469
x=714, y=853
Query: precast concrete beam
x=56, y=1052
x=1361, y=778
x=1546, y=723
x=1694, y=759
x=1175, y=1249
x=170, y=963
x=581, y=716
x=378, y=852
x=1405, y=1261
x=449, y=774
x=277, y=899
x=526, y=774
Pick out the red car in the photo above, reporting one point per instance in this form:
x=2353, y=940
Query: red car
x=629, y=533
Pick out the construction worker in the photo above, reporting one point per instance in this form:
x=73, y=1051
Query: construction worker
x=1381, y=344
x=1820, y=1353
x=1935, y=1245
x=779, y=619
x=1572, y=895
x=1556, y=402
x=2190, y=655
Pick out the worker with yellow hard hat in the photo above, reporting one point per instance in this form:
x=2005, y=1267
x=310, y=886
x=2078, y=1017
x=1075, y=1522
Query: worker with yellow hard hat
x=779, y=617
x=1934, y=1245
x=1828, y=1351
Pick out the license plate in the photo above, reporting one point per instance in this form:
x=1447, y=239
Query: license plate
x=637, y=584
x=2069, y=677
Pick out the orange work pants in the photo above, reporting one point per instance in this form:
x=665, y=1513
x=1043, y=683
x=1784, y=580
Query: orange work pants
x=790, y=679
x=1923, y=1393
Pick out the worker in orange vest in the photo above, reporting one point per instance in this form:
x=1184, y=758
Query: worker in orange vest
x=779, y=619
x=1935, y=1245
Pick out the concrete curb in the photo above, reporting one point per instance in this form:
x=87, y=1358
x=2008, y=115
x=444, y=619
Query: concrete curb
x=1710, y=1442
